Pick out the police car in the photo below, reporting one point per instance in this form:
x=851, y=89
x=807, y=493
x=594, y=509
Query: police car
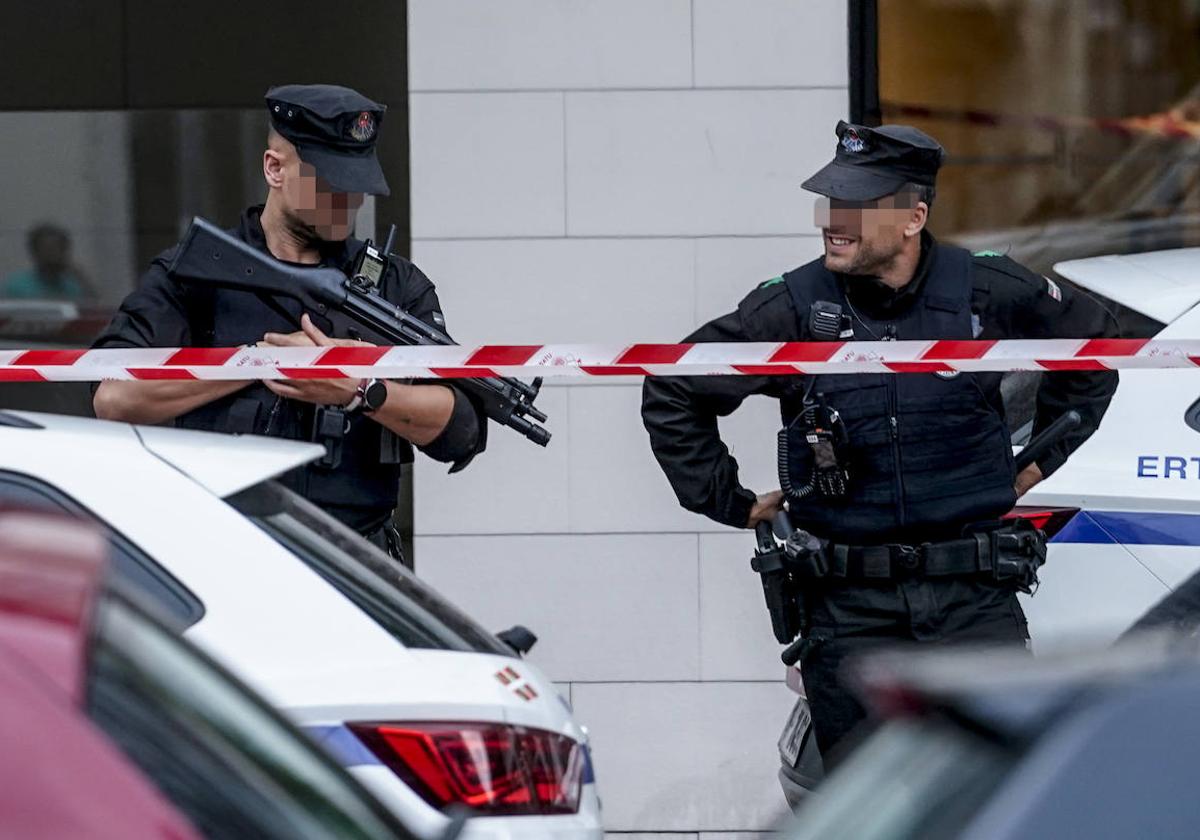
x=1123, y=513
x=428, y=709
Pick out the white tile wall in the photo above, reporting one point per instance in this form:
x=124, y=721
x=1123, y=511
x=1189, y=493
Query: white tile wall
x=736, y=642
x=598, y=475
x=727, y=269
x=616, y=485
x=486, y=164
x=513, y=487
x=485, y=45
x=603, y=607
x=686, y=756
x=563, y=290
x=695, y=163
x=771, y=42
x=750, y=435
x=645, y=181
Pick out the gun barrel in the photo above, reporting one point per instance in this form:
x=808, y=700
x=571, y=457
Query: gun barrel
x=505, y=399
x=530, y=430
x=535, y=413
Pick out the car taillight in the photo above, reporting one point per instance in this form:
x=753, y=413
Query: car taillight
x=493, y=768
x=1049, y=519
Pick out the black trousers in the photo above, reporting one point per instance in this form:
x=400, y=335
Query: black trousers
x=846, y=619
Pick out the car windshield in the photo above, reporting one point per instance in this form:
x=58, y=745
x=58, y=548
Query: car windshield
x=910, y=780
x=390, y=594
x=226, y=760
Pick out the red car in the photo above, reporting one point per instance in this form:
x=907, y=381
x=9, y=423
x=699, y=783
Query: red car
x=46, y=599
x=113, y=727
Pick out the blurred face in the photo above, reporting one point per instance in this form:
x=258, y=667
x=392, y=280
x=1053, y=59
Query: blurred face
x=864, y=237
x=310, y=205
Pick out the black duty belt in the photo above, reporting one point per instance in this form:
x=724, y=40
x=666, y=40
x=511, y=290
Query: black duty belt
x=1009, y=554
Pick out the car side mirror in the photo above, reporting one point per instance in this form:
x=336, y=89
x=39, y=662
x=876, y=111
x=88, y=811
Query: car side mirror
x=518, y=637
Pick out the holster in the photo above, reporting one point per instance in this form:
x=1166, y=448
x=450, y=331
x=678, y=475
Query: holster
x=329, y=429
x=781, y=590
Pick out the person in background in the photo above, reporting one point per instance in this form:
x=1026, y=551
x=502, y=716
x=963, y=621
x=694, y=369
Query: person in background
x=53, y=275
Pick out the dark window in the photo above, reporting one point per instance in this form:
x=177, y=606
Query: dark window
x=948, y=775
x=390, y=594
x=131, y=570
x=233, y=766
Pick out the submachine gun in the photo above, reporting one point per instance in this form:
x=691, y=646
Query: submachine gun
x=209, y=255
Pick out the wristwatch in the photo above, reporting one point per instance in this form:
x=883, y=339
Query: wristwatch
x=370, y=396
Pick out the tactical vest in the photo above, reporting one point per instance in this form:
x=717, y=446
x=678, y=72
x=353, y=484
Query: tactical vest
x=927, y=454
x=362, y=489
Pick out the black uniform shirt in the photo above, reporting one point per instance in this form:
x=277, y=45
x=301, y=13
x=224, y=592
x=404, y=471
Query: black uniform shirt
x=155, y=315
x=1007, y=301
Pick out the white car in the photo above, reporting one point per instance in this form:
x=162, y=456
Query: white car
x=1128, y=527
x=428, y=709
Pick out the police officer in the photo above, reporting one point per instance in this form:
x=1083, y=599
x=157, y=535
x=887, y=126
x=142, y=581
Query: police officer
x=901, y=479
x=319, y=162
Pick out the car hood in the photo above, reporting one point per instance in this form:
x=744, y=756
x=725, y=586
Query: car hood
x=222, y=464
x=226, y=464
x=1161, y=284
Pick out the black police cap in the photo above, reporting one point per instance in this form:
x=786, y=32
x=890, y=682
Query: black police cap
x=873, y=162
x=333, y=129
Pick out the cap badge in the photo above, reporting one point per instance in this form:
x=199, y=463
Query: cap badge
x=363, y=127
x=851, y=142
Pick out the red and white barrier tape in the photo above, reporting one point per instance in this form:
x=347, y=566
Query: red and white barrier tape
x=588, y=360
x=1173, y=123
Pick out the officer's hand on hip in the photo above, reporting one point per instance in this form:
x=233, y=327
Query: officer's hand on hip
x=1028, y=477
x=766, y=508
x=318, y=391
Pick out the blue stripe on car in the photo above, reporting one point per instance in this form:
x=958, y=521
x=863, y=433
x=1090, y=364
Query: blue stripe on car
x=342, y=744
x=1131, y=528
x=589, y=773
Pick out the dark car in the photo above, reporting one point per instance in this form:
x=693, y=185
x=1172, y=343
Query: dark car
x=977, y=744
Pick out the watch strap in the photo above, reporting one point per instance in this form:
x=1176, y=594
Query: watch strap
x=359, y=398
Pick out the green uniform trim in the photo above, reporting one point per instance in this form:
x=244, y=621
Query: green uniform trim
x=988, y=254
x=774, y=281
